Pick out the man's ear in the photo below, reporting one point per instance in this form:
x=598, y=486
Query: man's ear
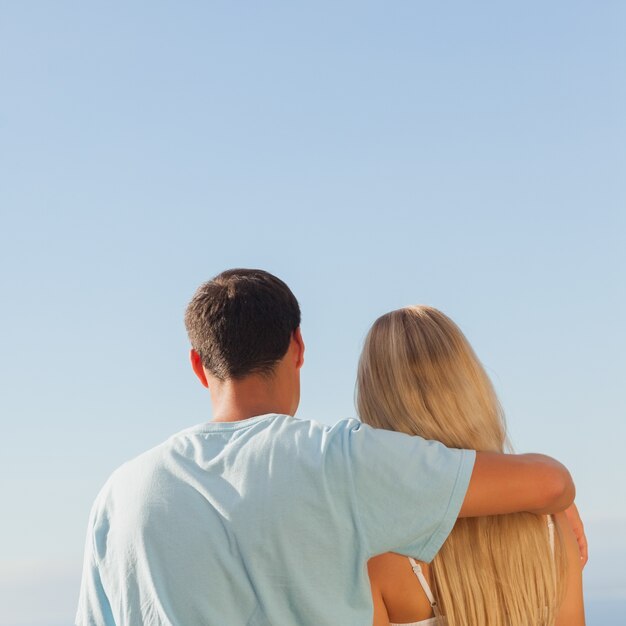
x=297, y=338
x=196, y=365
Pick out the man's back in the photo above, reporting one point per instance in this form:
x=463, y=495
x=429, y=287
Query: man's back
x=264, y=521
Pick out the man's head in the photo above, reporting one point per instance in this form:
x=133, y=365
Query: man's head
x=242, y=324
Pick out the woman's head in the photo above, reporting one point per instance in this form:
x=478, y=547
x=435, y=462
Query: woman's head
x=419, y=375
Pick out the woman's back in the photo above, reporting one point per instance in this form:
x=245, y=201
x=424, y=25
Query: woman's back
x=399, y=596
x=402, y=598
x=419, y=375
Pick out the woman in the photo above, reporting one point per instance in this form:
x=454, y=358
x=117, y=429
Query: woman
x=419, y=375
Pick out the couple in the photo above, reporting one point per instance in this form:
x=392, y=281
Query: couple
x=260, y=519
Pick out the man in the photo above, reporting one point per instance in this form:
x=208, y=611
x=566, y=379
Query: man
x=258, y=518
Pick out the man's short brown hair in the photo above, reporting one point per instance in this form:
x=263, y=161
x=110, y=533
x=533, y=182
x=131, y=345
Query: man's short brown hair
x=241, y=322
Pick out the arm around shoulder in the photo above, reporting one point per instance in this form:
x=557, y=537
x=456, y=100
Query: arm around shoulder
x=572, y=610
x=513, y=483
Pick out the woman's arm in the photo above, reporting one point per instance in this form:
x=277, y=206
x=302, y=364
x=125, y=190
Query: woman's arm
x=572, y=610
x=381, y=618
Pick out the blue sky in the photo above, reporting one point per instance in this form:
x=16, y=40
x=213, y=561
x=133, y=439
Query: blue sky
x=372, y=155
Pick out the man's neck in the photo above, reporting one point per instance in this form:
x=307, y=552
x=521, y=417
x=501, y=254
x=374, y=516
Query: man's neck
x=235, y=400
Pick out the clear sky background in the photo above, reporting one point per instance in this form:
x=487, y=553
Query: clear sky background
x=470, y=156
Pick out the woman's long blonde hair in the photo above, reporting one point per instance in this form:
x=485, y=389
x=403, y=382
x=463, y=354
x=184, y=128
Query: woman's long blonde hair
x=419, y=375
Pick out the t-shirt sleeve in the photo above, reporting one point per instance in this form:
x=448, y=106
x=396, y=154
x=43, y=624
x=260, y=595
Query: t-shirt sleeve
x=94, y=608
x=407, y=491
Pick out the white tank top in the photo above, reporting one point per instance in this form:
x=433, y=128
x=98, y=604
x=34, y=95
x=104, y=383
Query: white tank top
x=440, y=620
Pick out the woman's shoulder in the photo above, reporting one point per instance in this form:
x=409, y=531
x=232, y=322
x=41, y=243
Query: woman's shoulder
x=392, y=575
x=387, y=563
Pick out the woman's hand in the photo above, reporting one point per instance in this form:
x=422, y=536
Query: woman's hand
x=573, y=517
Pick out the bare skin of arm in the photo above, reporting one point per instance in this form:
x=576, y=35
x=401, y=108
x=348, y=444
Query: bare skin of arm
x=397, y=595
x=571, y=611
x=381, y=618
x=573, y=518
x=512, y=483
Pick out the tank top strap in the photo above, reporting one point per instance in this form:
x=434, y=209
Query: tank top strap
x=551, y=532
x=417, y=570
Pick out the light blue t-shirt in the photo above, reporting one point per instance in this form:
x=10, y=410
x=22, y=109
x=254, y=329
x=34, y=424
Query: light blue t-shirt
x=268, y=521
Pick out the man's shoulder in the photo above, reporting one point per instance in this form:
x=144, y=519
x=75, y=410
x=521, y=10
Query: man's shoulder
x=135, y=470
x=342, y=425
x=317, y=430
x=143, y=470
